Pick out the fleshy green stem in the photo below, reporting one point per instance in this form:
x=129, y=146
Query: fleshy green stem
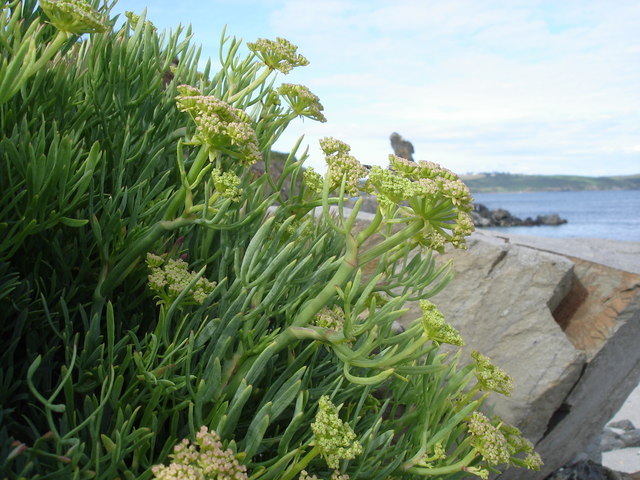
x=371, y=229
x=437, y=471
x=179, y=196
x=50, y=51
x=252, y=86
x=342, y=275
x=391, y=242
x=298, y=467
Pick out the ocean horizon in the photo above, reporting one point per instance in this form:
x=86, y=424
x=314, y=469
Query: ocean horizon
x=606, y=214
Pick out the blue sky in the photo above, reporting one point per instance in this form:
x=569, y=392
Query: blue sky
x=525, y=86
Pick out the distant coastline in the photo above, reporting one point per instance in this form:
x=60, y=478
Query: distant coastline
x=514, y=183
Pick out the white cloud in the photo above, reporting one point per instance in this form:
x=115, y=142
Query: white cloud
x=524, y=85
x=475, y=83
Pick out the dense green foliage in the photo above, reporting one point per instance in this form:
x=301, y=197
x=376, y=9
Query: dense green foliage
x=510, y=182
x=156, y=286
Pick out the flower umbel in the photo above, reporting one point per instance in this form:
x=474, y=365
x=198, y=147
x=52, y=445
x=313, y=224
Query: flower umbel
x=491, y=377
x=436, y=327
x=518, y=444
x=302, y=101
x=342, y=166
x=312, y=180
x=203, y=460
x=391, y=189
x=488, y=439
x=330, y=318
x=168, y=279
x=134, y=19
x=426, y=191
x=335, y=439
x=73, y=16
x=336, y=475
x=483, y=473
x=227, y=184
x=278, y=55
x=219, y=126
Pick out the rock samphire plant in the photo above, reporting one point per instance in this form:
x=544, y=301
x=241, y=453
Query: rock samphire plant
x=169, y=312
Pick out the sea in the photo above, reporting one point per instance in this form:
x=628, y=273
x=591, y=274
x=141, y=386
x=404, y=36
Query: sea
x=608, y=214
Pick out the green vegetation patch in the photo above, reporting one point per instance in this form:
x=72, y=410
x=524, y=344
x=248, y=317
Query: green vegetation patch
x=168, y=312
x=508, y=182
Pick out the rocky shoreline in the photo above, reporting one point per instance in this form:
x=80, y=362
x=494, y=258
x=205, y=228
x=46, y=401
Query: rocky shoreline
x=482, y=216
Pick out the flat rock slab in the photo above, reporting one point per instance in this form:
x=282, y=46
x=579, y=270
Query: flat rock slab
x=562, y=316
x=616, y=254
x=564, y=326
x=501, y=300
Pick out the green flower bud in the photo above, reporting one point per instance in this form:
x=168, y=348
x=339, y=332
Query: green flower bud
x=488, y=440
x=312, y=180
x=332, y=146
x=335, y=439
x=73, y=16
x=483, y=473
x=491, y=377
x=391, y=188
x=533, y=461
x=154, y=260
x=436, y=327
x=341, y=166
x=302, y=101
x=227, y=184
x=516, y=444
x=332, y=319
x=134, y=19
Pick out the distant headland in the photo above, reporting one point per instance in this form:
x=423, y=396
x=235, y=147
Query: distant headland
x=512, y=182
x=504, y=182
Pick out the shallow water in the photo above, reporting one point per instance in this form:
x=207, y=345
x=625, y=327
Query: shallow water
x=609, y=214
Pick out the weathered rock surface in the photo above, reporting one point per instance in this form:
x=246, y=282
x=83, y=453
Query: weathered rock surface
x=562, y=321
x=565, y=328
x=501, y=299
x=621, y=434
x=588, y=470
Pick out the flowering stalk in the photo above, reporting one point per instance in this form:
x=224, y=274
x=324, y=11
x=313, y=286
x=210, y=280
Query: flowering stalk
x=178, y=198
x=443, y=470
x=301, y=464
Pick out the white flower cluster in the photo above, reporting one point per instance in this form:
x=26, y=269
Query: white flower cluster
x=203, y=460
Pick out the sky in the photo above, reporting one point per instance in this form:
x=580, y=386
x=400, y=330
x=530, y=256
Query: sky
x=520, y=86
